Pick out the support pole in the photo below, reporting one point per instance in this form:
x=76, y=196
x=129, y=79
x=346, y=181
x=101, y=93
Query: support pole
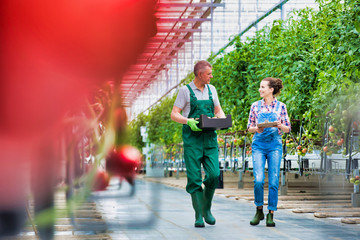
x=31, y=220
x=283, y=186
x=355, y=197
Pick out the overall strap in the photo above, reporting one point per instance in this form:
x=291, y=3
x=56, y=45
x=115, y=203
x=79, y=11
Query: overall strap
x=277, y=106
x=259, y=106
x=192, y=94
x=210, y=93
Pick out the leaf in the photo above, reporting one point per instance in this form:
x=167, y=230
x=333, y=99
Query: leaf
x=312, y=67
x=357, y=26
x=315, y=53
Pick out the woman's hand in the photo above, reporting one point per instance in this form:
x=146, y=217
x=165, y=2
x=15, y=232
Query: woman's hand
x=282, y=127
x=255, y=129
x=259, y=129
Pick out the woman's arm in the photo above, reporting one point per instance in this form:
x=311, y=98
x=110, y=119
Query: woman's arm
x=252, y=126
x=283, y=127
x=255, y=129
x=284, y=123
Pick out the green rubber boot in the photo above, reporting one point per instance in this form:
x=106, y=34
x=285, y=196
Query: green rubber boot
x=259, y=215
x=197, y=200
x=208, y=196
x=270, y=220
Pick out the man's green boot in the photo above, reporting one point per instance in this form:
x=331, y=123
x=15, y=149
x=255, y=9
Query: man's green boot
x=197, y=200
x=208, y=196
x=270, y=220
x=259, y=215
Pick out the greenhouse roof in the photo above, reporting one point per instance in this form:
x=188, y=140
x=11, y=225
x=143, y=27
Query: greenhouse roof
x=177, y=21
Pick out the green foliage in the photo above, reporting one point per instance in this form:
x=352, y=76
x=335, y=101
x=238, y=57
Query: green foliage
x=134, y=134
x=161, y=129
x=315, y=53
x=336, y=47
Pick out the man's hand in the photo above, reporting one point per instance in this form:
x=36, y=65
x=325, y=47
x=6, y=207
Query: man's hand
x=192, y=124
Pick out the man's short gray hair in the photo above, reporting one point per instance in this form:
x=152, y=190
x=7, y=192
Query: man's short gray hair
x=200, y=65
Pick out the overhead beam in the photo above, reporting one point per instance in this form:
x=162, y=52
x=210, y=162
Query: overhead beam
x=139, y=78
x=132, y=79
x=165, y=57
x=171, y=10
x=143, y=71
x=166, y=30
x=131, y=76
x=253, y=24
x=154, y=62
x=151, y=49
x=160, y=40
x=137, y=67
x=170, y=20
x=183, y=5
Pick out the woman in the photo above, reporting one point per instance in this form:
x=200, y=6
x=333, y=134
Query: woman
x=267, y=145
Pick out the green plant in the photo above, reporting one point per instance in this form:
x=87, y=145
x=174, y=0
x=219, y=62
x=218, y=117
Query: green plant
x=315, y=53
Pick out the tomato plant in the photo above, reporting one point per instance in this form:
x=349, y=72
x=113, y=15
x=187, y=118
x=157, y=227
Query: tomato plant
x=315, y=53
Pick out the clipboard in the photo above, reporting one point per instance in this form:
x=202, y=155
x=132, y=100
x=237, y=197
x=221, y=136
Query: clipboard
x=267, y=124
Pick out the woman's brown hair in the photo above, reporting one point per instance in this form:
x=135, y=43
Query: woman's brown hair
x=275, y=83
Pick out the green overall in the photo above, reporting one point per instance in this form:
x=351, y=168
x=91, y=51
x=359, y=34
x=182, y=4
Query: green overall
x=200, y=147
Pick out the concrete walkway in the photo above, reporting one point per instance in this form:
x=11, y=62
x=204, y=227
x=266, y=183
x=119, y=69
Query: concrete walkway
x=160, y=211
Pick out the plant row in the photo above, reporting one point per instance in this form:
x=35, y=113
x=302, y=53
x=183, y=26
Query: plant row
x=316, y=53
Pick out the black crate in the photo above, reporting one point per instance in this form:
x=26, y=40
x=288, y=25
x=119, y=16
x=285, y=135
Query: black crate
x=207, y=123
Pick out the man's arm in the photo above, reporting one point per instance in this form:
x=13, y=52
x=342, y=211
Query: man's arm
x=176, y=115
x=219, y=112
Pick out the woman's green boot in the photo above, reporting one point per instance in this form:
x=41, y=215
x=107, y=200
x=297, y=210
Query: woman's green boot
x=197, y=200
x=259, y=215
x=270, y=220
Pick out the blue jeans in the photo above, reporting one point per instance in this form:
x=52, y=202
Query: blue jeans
x=272, y=152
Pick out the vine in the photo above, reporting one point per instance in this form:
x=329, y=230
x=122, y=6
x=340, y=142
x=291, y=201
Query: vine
x=315, y=53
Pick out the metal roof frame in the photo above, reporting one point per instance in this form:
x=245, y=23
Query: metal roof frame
x=177, y=21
